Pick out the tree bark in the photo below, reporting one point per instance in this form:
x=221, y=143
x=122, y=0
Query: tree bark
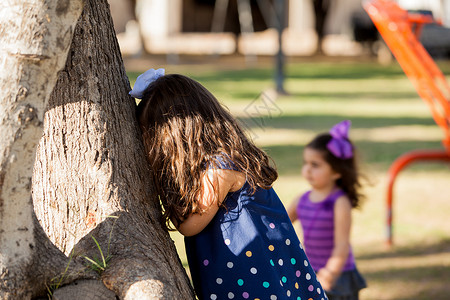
x=34, y=39
x=92, y=181
x=91, y=186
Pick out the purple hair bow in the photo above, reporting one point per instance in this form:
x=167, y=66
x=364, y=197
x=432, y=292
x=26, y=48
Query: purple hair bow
x=144, y=80
x=339, y=145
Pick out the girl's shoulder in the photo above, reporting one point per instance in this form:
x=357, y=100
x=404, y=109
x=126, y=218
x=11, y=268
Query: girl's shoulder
x=343, y=205
x=304, y=199
x=229, y=179
x=222, y=166
x=304, y=196
x=335, y=195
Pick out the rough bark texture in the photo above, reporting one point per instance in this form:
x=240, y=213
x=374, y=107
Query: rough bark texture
x=34, y=39
x=91, y=179
x=84, y=289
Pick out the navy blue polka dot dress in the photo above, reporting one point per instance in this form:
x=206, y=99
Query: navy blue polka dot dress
x=251, y=251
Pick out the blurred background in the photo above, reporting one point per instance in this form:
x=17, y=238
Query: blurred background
x=290, y=69
x=250, y=27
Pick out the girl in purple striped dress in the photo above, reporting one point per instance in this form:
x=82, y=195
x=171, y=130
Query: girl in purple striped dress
x=325, y=211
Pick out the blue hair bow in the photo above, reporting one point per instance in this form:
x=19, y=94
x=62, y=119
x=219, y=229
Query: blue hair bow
x=339, y=145
x=144, y=80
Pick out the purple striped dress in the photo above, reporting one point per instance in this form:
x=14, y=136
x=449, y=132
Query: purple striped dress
x=317, y=219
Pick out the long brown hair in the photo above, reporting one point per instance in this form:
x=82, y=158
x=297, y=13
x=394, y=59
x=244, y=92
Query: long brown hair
x=184, y=129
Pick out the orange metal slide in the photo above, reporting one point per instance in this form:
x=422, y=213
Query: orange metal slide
x=401, y=30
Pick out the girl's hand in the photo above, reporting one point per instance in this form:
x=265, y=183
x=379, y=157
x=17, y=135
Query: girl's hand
x=326, y=278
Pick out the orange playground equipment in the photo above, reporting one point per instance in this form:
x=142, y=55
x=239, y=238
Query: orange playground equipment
x=400, y=30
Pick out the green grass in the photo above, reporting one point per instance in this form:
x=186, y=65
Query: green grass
x=388, y=119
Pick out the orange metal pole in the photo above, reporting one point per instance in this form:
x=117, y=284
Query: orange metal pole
x=399, y=164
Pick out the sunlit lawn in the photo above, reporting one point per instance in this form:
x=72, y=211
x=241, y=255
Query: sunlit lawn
x=388, y=119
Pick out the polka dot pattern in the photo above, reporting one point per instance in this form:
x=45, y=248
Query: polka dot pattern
x=291, y=288
x=250, y=250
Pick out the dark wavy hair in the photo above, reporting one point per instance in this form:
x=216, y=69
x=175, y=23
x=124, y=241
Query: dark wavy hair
x=184, y=130
x=349, y=181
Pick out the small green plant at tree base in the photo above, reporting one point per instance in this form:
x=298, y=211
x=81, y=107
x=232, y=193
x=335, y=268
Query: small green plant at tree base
x=98, y=264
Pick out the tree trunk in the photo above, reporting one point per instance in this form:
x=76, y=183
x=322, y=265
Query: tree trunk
x=92, y=188
x=34, y=40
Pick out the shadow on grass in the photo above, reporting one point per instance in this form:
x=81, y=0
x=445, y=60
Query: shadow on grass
x=429, y=282
x=382, y=154
x=288, y=158
x=323, y=123
x=331, y=96
x=442, y=246
x=316, y=70
x=322, y=97
x=408, y=267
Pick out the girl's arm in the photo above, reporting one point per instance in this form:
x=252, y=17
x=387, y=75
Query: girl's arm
x=292, y=210
x=342, y=224
x=216, y=183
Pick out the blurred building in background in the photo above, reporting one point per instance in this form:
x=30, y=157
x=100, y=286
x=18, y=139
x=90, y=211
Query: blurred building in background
x=248, y=27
